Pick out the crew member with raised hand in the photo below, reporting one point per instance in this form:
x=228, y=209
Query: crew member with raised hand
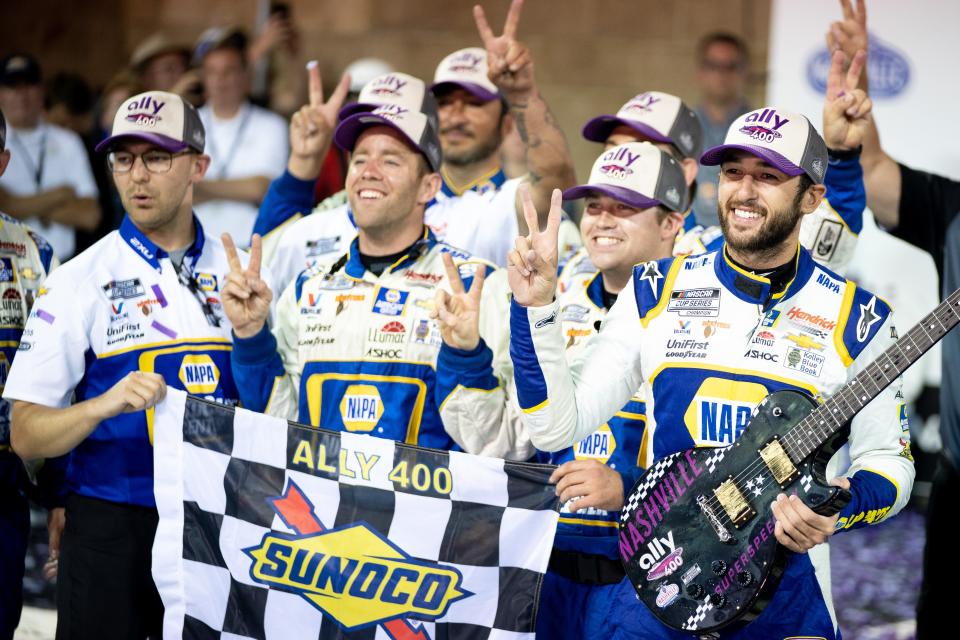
x=137, y=311
x=477, y=209
x=633, y=210
x=708, y=337
x=328, y=230
x=355, y=345
x=481, y=94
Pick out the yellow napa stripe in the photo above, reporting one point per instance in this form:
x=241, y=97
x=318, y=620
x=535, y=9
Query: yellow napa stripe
x=282, y=226
x=744, y=273
x=459, y=191
x=164, y=343
x=796, y=267
x=889, y=479
x=840, y=219
x=147, y=360
x=665, y=295
x=746, y=372
x=536, y=408
x=589, y=523
x=845, y=307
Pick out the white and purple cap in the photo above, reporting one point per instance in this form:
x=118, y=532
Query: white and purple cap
x=467, y=69
x=414, y=126
x=655, y=115
x=162, y=118
x=638, y=174
x=394, y=88
x=787, y=141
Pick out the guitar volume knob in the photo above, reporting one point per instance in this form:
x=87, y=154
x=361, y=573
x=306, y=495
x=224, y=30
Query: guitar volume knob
x=744, y=578
x=719, y=567
x=695, y=591
x=717, y=599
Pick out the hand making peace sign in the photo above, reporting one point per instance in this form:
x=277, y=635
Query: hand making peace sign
x=312, y=126
x=532, y=265
x=458, y=314
x=846, y=109
x=509, y=64
x=245, y=297
x=850, y=34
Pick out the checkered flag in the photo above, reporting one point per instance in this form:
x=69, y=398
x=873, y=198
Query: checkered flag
x=270, y=529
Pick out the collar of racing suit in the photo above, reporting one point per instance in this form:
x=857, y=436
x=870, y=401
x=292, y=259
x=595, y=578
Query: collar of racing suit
x=353, y=264
x=150, y=252
x=758, y=289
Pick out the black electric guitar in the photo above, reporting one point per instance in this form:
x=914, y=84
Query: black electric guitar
x=696, y=532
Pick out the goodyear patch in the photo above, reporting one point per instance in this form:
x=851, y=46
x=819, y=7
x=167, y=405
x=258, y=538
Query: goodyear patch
x=199, y=374
x=352, y=574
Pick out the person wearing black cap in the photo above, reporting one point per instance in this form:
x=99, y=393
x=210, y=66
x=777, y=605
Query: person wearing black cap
x=25, y=261
x=49, y=183
x=356, y=341
x=137, y=311
x=708, y=337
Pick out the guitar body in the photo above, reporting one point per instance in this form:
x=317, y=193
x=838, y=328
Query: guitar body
x=696, y=532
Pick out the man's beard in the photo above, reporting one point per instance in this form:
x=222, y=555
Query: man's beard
x=480, y=152
x=772, y=233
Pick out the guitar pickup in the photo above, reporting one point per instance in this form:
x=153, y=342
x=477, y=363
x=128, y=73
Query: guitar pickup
x=779, y=463
x=734, y=503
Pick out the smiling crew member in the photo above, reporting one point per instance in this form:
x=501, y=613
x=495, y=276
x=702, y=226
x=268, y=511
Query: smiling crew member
x=762, y=316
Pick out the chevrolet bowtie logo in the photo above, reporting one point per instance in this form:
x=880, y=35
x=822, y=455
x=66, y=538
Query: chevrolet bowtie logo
x=804, y=342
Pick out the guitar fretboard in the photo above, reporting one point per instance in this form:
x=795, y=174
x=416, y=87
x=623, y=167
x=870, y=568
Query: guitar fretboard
x=804, y=438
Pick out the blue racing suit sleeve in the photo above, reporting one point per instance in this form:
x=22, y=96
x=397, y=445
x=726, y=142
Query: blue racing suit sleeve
x=256, y=365
x=287, y=197
x=471, y=369
x=845, y=191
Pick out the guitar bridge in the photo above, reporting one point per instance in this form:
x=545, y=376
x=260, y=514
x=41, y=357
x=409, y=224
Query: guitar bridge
x=779, y=463
x=734, y=503
x=714, y=521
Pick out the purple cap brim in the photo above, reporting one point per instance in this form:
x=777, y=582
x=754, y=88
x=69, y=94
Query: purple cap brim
x=469, y=87
x=171, y=145
x=599, y=129
x=348, y=131
x=622, y=194
x=355, y=107
x=714, y=156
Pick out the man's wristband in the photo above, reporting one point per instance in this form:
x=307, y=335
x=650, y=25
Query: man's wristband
x=845, y=154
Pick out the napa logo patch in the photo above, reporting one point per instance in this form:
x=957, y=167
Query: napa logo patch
x=721, y=409
x=7, y=271
x=207, y=281
x=390, y=302
x=352, y=574
x=361, y=408
x=599, y=445
x=199, y=374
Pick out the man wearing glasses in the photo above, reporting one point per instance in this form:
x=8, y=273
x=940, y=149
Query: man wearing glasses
x=722, y=73
x=137, y=311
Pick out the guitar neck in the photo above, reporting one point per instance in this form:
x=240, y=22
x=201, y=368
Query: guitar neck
x=842, y=406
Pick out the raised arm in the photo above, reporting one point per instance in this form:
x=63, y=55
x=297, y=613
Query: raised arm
x=510, y=67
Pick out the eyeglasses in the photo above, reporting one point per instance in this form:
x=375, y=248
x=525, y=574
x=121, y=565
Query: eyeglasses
x=155, y=160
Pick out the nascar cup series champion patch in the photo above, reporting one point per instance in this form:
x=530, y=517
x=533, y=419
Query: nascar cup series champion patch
x=270, y=529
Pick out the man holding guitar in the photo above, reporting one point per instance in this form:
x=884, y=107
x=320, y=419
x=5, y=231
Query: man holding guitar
x=707, y=339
